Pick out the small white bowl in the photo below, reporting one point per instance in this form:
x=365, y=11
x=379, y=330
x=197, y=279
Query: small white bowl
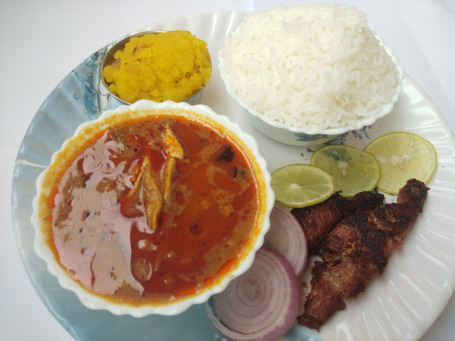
x=143, y=108
x=303, y=136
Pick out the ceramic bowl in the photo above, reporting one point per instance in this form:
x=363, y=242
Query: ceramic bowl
x=301, y=136
x=44, y=235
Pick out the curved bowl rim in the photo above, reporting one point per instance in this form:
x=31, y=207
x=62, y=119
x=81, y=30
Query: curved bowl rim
x=95, y=302
x=366, y=121
x=112, y=48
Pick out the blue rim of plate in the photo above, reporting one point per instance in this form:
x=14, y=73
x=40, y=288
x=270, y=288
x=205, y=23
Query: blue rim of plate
x=80, y=96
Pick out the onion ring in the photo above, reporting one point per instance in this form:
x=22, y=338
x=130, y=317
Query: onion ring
x=286, y=236
x=262, y=304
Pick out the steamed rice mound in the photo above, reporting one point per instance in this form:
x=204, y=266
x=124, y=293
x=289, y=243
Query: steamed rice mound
x=166, y=66
x=311, y=67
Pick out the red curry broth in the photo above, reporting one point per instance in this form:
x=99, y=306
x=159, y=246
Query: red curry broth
x=106, y=239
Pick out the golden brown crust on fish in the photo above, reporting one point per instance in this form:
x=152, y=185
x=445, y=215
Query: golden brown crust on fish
x=357, y=250
x=318, y=220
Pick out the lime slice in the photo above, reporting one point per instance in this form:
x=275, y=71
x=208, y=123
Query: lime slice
x=353, y=170
x=299, y=185
x=403, y=156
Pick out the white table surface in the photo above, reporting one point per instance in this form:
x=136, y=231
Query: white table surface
x=42, y=41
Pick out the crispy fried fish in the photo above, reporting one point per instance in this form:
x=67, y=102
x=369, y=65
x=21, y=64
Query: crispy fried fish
x=357, y=250
x=318, y=220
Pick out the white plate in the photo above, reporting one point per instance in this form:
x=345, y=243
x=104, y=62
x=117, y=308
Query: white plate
x=400, y=305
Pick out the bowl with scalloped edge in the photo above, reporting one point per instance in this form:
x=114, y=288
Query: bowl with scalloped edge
x=124, y=213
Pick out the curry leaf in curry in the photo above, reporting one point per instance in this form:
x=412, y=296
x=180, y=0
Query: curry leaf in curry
x=226, y=155
x=116, y=136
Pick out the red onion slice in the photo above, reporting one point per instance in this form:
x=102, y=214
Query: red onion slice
x=262, y=304
x=286, y=237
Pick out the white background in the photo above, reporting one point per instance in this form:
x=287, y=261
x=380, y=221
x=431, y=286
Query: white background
x=42, y=41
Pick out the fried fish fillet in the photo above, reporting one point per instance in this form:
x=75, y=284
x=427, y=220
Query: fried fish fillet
x=357, y=250
x=318, y=220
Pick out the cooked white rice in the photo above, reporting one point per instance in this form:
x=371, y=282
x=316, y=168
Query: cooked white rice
x=313, y=66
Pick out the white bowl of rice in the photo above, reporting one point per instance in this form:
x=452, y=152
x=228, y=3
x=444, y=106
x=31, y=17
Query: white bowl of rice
x=307, y=74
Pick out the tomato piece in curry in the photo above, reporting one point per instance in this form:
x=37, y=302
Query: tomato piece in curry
x=154, y=209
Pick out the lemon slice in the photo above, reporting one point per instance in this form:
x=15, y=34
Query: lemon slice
x=299, y=185
x=403, y=156
x=353, y=170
